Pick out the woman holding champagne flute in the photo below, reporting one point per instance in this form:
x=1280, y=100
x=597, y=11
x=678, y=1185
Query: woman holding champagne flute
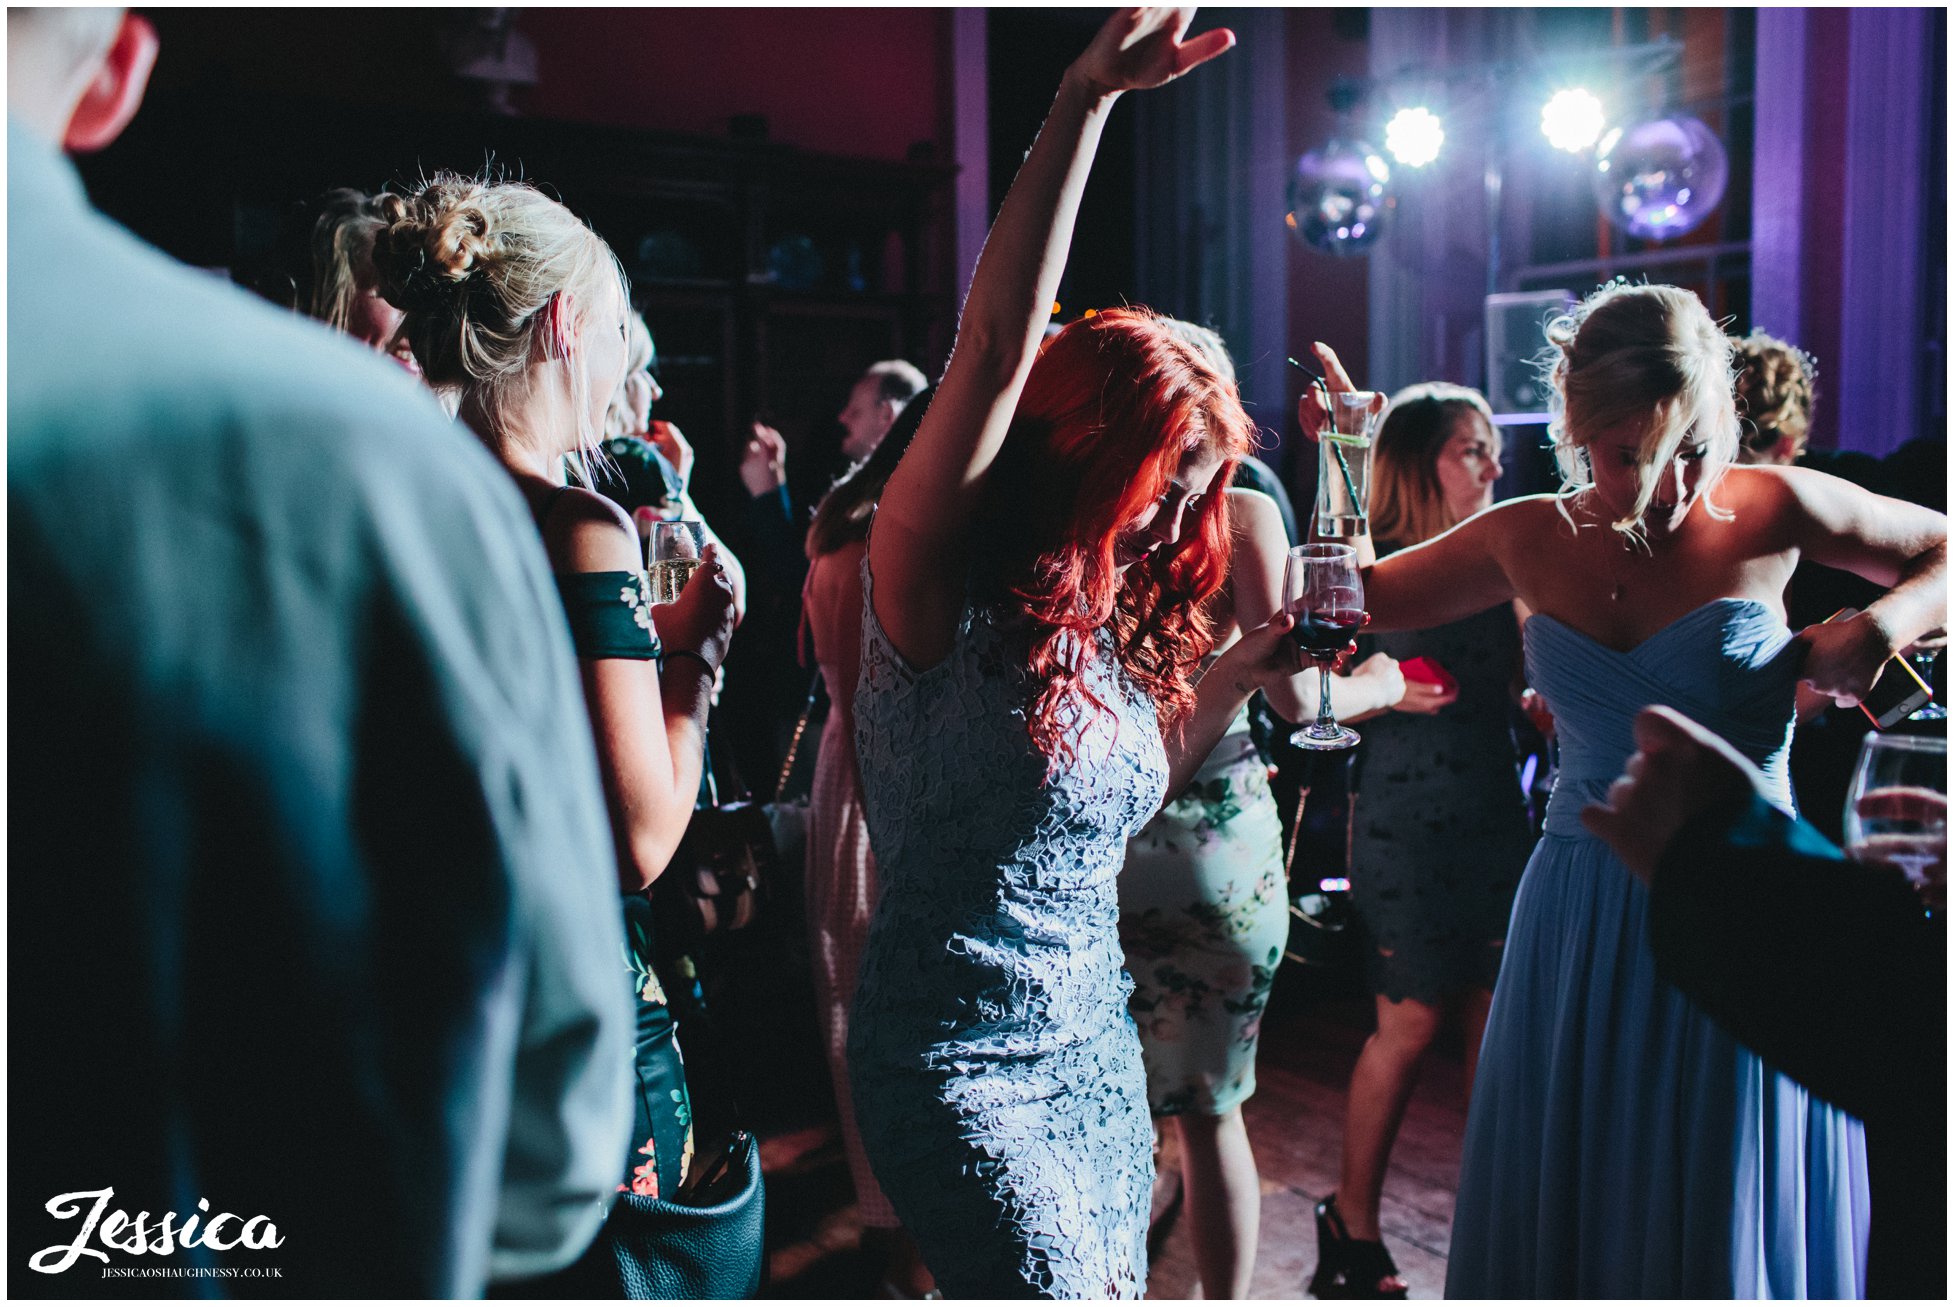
x=517, y=309
x=1620, y=1144
x=1031, y=625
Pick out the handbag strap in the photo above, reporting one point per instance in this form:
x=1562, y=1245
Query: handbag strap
x=800, y=729
x=1295, y=838
x=711, y=780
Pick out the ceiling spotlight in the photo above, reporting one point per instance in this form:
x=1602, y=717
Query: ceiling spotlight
x=1572, y=120
x=1414, y=136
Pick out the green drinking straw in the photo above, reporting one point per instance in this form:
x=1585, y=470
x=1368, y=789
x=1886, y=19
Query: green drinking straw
x=1336, y=446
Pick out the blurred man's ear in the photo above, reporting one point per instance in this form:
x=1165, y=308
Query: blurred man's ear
x=115, y=94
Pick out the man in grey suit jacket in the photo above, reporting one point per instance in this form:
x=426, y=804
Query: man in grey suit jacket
x=314, y=930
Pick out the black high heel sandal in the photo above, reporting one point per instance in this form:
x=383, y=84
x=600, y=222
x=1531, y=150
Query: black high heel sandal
x=1346, y=1267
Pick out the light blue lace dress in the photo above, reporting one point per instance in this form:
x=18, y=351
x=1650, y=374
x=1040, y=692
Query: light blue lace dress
x=997, y=1075
x=1620, y=1143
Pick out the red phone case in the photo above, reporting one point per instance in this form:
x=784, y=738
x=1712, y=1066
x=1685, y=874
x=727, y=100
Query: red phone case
x=1429, y=672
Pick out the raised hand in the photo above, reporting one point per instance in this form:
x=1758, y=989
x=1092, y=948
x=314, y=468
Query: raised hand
x=1313, y=409
x=668, y=440
x=1138, y=49
x=763, y=462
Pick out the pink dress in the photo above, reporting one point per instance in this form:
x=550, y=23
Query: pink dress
x=841, y=882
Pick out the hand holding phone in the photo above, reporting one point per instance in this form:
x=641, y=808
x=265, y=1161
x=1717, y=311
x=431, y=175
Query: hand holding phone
x=1896, y=693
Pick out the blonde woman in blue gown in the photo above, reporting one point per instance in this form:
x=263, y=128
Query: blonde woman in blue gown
x=1620, y=1144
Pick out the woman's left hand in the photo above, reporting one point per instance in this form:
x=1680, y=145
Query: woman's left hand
x=1844, y=657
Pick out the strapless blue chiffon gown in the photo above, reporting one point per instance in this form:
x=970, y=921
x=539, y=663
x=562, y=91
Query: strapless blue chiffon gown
x=1619, y=1143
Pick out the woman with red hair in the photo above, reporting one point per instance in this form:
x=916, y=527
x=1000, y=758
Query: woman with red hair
x=1029, y=642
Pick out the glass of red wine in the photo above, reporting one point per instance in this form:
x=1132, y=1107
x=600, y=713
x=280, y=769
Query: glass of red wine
x=1323, y=591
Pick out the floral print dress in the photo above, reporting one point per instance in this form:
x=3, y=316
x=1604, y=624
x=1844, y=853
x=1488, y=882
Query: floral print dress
x=1203, y=918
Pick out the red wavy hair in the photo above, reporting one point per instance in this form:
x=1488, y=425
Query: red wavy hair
x=1112, y=405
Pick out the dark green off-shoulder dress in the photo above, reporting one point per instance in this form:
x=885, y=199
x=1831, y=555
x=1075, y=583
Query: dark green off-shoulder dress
x=610, y=617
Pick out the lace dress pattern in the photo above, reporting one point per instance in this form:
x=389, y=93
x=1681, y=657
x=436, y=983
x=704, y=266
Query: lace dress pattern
x=997, y=1075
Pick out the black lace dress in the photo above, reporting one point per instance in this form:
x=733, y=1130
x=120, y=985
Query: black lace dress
x=1440, y=834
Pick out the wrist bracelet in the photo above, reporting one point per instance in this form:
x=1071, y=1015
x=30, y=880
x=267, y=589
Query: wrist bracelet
x=694, y=654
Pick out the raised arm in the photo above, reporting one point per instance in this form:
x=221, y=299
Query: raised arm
x=919, y=547
x=1452, y=575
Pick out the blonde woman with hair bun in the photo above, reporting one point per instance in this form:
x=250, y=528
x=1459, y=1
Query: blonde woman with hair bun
x=1620, y=1144
x=517, y=310
x=1776, y=393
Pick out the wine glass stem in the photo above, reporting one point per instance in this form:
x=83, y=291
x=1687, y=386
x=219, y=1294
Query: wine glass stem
x=1326, y=721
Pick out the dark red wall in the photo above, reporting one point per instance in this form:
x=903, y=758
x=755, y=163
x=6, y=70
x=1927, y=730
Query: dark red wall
x=863, y=82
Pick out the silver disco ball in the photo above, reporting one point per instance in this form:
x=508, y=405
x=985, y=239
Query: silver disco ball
x=1340, y=198
x=1661, y=178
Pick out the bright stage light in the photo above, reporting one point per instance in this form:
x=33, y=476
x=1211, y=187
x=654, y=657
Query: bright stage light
x=1414, y=136
x=1572, y=120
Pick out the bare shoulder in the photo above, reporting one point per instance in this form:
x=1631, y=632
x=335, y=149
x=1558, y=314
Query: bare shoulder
x=585, y=532
x=1802, y=499
x=1768, y=485
x=1252, y=513
x=1526, y=520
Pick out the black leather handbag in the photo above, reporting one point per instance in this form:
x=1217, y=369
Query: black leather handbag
x=710, y=1243
x=732, y=855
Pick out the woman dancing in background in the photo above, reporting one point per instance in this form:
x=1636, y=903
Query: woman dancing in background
x=1440, y=831
x=1620, y=1144
x=1027, y=628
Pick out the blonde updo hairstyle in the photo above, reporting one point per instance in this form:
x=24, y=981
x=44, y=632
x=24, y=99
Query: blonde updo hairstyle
x=1775, y=397
x=473, y=265
x=1645, y=355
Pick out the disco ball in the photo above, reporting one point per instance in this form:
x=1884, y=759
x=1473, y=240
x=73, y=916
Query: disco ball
x=1340, y=198
x=1658, y=179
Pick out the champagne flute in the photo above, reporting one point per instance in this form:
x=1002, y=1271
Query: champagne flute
x=675, y=550
x=1322, y=590
x=1896, y=809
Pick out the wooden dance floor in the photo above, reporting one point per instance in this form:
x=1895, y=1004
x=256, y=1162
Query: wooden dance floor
x=1310, y=1038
